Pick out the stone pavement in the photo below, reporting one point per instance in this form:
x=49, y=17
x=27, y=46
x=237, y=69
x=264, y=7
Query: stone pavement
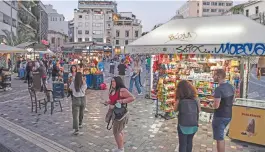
x=24, y=131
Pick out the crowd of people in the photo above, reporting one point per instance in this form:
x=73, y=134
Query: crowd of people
x=187, y=105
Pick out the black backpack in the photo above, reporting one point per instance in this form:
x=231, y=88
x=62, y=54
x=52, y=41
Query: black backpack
x=188, y=113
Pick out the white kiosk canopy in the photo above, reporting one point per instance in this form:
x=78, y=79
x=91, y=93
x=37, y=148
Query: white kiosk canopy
x=228, y=35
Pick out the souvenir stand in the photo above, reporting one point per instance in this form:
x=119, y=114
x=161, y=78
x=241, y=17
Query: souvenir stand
x=191, y=49
x=5, y=77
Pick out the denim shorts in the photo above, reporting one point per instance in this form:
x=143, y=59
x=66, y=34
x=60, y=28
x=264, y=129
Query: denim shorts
x=219, y=124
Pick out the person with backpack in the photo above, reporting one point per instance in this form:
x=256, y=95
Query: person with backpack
x=78, y=87
x=188, y=107
x=119, y=97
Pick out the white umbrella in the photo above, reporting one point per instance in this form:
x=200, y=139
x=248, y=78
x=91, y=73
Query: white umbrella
x=10, y=49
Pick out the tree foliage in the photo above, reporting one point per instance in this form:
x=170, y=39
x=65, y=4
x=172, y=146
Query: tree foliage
x=238, y=9
x=23, y=36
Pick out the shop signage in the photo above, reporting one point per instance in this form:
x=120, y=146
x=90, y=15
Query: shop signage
x=241, y=49
x=245, y=49
x=189, y=36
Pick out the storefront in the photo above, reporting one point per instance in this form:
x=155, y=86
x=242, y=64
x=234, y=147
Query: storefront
x=191, y=49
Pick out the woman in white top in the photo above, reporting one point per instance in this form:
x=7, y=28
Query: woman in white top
x=135, y=76
x=78, y=87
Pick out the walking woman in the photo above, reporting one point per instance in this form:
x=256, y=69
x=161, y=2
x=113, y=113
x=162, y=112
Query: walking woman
x=71, y=78
x=119, y=96
x=135, y=76
x=188, y=116
x=78, y=87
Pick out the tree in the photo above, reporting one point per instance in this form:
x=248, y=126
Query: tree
x=238, y=9
x=11, y=39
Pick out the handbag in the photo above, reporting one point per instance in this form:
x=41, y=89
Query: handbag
x=116, y=114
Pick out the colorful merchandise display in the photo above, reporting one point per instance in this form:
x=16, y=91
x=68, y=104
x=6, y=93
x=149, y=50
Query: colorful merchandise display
x=168, y=70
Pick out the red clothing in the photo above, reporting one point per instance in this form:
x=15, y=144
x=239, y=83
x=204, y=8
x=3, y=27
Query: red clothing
x=113, y=98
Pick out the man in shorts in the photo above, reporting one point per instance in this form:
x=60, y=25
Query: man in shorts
x=223, y=102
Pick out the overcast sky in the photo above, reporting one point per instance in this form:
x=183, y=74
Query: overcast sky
x=149, y=12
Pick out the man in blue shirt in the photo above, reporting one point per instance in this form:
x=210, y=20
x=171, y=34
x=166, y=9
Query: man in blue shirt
x=223, y=102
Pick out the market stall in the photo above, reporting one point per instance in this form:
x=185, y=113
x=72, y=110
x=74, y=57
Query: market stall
x=5, y=74
x=191, y=49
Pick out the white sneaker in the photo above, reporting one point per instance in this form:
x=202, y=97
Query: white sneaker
x=117, y=150
x=139, y=94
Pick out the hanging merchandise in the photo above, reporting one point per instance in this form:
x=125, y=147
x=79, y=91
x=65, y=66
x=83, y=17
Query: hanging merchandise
x=198, y=70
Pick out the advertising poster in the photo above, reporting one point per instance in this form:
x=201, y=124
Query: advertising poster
x=248, y=125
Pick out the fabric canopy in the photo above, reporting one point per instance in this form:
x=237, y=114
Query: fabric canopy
x=232, y=35
x=10, y=49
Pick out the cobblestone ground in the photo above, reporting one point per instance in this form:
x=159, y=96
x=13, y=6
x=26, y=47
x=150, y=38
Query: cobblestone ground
x=144, y=133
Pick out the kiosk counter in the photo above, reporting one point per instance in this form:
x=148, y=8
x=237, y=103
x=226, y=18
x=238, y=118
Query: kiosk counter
x=248, y=121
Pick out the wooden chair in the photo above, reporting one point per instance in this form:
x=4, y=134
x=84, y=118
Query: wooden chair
x=36, y=102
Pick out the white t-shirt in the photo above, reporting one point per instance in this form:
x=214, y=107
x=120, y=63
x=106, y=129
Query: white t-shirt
x=82, y=91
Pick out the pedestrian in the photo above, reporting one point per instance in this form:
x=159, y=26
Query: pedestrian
x=148, y=64
x=29, y=74
x=9, y=63
x=71, y=78
x=119, y=97
x=55, y=71
x=122, y=69
x=101, y=65
x=188, y=116
x=43, y=73
x=112, y=67
x=223, y=101
x=18, y=65
x=78, y=87
x=135, y=76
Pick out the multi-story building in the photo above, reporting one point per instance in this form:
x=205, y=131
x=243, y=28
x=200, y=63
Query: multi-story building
x=71, y=30
x=32, y=20
x=255, y=10
x=8, y=17
x=56, y=40
x=93, y=21
x=43, y=21
x=126, y=29
x=58, y=28
x=200, y=8
x=56, y=21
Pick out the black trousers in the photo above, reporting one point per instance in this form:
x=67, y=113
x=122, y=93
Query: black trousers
x=185, y=141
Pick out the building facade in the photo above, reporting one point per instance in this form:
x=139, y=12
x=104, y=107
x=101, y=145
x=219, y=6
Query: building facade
x=126, y=29
x=201, y=8
x=71, y=30
x=255, y=10
x=56, y=40
x=8, y=17
x=56, y=21
x=43, y=22
x=93, y=21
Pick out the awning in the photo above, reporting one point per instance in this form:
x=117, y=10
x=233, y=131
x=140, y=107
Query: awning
x=229, y=35
x=10, y=49
x=34, y=45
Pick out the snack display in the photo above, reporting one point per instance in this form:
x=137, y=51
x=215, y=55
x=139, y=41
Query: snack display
x=170, y=69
